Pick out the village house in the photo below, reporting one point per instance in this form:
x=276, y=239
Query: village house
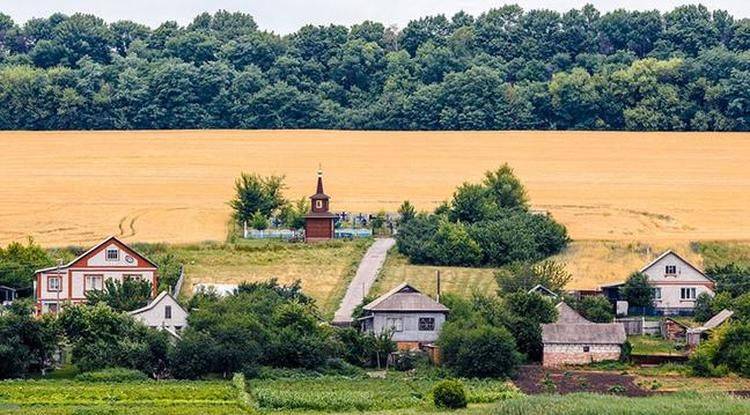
x=676, y=284
x=163, y=313
x=110, y=259
x=319, y=222
x=414, y=318
x=574, y=340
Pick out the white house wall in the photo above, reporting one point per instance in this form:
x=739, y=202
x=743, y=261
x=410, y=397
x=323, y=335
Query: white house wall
x=685, y=277
x=410, y=332
x=154, y=317
x=100, y=259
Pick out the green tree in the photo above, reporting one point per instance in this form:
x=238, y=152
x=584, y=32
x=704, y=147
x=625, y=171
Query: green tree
x=255, y=193
x=505, y=188
x=18, y=263
x=406, y=212
x=126, y=295
x=702, y=310
x=258, y=221
x=523, y=276
x=637, y=291
x=483, y=351
x=595, y=308
x=26, y=343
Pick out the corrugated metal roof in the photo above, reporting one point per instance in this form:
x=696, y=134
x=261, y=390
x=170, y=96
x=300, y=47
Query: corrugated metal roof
x=591, y=333
x=405, y=298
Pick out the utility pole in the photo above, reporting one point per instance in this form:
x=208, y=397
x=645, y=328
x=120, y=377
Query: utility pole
x=437, y=275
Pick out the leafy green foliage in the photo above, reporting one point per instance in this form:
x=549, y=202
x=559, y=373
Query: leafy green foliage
x=406, y=211
x=637, y=291
x=484, y=224
x=686, y=69
x=595, y=308
x=18, y=263
x=702, y=311
x=257, y=194
x=112, y=375
x=483, y=351
x=26, y=343
x=449, y=394
x=126, y=295
x=102, y=338
x=523, y=276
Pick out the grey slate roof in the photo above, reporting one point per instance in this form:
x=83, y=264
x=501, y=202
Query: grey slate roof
x=591, y=333
x=405, y=298
x=566, y=315
x=714, y=321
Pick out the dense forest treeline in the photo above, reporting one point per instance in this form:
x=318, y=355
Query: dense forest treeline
x=687, y=69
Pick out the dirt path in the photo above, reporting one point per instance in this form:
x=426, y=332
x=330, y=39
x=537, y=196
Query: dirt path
x=362, y=282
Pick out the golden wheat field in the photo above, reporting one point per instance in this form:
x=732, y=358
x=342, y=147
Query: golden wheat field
x=74, y=187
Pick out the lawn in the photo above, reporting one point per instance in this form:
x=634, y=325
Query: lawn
x=458, y=280
x=324, y=269
x=653, y=345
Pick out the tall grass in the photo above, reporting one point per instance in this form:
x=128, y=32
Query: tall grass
x=590, y=404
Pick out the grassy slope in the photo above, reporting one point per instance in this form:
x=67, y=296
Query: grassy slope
x=653, y=345
x=591, y=263
x=324, y=269
x=459, y=280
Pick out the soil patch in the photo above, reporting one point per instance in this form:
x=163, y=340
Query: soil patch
x=534, y=380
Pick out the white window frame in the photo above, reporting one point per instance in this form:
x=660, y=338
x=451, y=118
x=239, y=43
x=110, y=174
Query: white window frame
x=657, y=293
x=107, y=252
x=318, y=204
x=167, y=312
x=667, y=269
x=58, y=280
x=429, y=322
x=89, y=279
x=394, y=323
x=691, y=293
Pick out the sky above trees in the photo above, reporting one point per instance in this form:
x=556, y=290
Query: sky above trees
x=286, y=16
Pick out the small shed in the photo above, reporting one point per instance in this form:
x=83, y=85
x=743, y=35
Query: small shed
x=7, y=294
x=163, y=313
x=673, y=329
x=574, y=340
x=413, y=318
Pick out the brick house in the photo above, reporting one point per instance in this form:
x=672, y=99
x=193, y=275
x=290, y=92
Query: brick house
x=110, y=259
x=573, y=340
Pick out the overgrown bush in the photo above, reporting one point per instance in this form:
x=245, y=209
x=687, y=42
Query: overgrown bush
x=449, y=394
x=483, y=351
x=113, y=375
x=484, y=224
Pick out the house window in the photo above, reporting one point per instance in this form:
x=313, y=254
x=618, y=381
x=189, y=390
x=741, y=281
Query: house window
x=586, y=349
x=657, y=293
x=687, y=293
x=168, y=312
x=132, y=277
x=318, y=204
x=113, y=254
x=670, y=270
x=395, y=324
x=93, y=282
x=52, y=307
x=426, y=324
x=54, y=283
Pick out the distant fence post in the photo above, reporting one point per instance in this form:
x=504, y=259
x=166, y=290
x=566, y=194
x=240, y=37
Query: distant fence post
x=178, y=286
